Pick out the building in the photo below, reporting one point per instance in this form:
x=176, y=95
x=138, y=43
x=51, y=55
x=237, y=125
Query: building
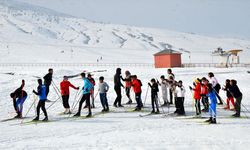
x=167, y=59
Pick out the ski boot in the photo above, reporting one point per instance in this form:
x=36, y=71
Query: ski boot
x=77, y=114
x=46, y=119
x=36, y=119
x=213, y=121
x=129, y=102
x=89, y=115
x=209, y=120
x=236, y=115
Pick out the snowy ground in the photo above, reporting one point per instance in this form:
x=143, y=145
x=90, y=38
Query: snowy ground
x=121, y=129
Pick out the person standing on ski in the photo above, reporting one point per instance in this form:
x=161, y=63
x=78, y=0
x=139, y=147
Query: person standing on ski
x=204, y=92
x=47, y=80
x=87, y=86
x=154, y=96
x=180, y=97
x=42, y=93
x=64, y=87
x=213, y=102
x=103, y=89
x=171, y=78
x=235, y=91
x=230, y=97
x=128, y=85
x=92, y=91
x=164, y=89
x=21, y=96
x=197, y=95
x=136, y=84
x=117, y=87
x=215, y=85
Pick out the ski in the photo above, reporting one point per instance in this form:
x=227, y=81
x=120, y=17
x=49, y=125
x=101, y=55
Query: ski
x=10, y=119
x=35, y=122
x=149, y=114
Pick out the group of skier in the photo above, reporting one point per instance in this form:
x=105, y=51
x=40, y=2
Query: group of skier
x=173, y=92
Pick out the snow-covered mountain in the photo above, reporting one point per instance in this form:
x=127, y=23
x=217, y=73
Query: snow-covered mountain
x=27, y=31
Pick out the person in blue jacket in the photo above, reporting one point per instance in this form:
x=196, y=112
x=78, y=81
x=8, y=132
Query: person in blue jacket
x=41, y=92
x=213, y=103
x=87, y=86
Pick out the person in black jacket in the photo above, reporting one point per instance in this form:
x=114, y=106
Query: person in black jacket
x=154, y=96
x=118, y=85
x=47, y=80
x=21, y=96
x=235, y=91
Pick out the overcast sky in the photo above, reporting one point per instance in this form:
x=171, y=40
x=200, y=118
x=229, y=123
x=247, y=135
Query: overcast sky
x=230, y=18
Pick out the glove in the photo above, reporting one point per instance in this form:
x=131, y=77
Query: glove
x=194, y=83
x=78, y=88
x=149, y=84
x=190, y=88
x=34, y=91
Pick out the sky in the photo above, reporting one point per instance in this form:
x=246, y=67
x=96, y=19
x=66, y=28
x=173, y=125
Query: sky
x=220, y=18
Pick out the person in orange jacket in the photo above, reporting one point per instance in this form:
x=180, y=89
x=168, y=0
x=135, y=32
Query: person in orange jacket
x=204, y=92
x=197, y=95
x=136, y=84
x=64, y=86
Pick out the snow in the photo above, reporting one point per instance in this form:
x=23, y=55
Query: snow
x=32, y=34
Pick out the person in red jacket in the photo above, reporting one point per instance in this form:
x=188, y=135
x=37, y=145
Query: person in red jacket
x=197, y=95
x=92, y=80
x=64, y=86
x=204, y=93
x=136, y=84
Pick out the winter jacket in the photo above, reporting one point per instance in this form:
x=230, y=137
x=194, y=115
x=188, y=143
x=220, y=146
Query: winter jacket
x=47, y=79
x=180, y=91
x=204, y=90
x=235, y=91
x=41, y=92
x=103, y=87
x=197, y=91
x=164, y=86
x=64, y=86
x=212, y=97
x=136, y=84
x=213, y=81
x=117, y=81
x=87, y=86
x=154, y=89
x=127, y=82
x=227, y=89
x=20, y=93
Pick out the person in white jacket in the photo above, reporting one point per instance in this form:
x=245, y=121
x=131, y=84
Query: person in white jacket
x=164, y=89
x=216, y=86
x=180, y=96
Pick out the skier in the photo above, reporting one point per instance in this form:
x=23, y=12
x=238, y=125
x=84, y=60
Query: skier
x=128, y=86
x=180, y=97
x=64, y=87
x=204, y=92
x=92, y=91
x=103, y=89
x=47, y=80
x=21, y=96
x=213, y=102
x=117, y=87
x=235, y=91
x=171, y=78
x=230, y=98
x=215, y=85
x=164, y=89
x=136, y=84
x=87, y=86
x=197, y=95
x=42, y=93
x=154, y=96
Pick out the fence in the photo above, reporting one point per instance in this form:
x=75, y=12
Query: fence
x=189, y=65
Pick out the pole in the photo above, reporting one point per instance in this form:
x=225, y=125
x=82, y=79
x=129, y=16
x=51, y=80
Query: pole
x=29, y=108
x=146, y=96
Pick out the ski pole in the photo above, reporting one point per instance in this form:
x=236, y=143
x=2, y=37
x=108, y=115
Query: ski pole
x=77, y=94
x=146, y=96
x=160, y=105
x=76, y=104
x=29, y=109
x=218, y=96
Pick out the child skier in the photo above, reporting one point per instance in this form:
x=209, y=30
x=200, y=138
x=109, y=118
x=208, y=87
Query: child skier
x=215, y=85
x=180, y=96
x=87, y=86
x=230, y=98
x=213, y=102
x=197, y=95
x=164, y=89
x=154, y=96
x=128, y=86
x=103, y=89
x=41, y=92
x=64, y=86
x=92, y=80
x=171, y=78
x=235, y=91
x=136, y=84
x=204, y=92
x=21, y=96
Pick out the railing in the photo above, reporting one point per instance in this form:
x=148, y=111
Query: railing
x=190, y=65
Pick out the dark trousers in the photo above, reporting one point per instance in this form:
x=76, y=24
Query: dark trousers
x=171, y=96
x=104, y=101
x=217, y=89
x=180, y=105
x=41, y=104
x=204, y=100
x=238, y=105
x=198, y=107
x=154, y=102
x=127, y=89
x=118, y=96
x=47, y=90
x=138, y=100
x=85, y=97
x=65, y=99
